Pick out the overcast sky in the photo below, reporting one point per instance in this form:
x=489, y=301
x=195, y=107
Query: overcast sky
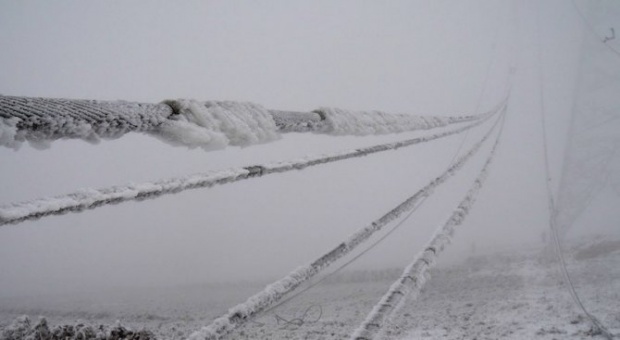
x=418, y=57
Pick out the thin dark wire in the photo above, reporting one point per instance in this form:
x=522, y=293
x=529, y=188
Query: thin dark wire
x=479, y=101
x=592, y=30
x=490, y=63
x=551, y=202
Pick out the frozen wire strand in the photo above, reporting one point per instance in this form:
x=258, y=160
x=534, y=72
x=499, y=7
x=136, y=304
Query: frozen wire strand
x=355, y=258
x=592, y=30
x=414, y=275
x=90, y=198
x=403, y=220
x=93, y=198
x=41, y=120
x=551, y=201
x=274, y=292
x=208, y=124
x=349, y=262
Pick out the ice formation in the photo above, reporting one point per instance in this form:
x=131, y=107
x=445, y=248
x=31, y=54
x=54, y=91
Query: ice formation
x=217, y=124
x=42, y=120
x=276, y=291
x=415, y=274
x=208, y=125
x=289, y=121
x=9, y=136
x=93, y=198
x=361, y=123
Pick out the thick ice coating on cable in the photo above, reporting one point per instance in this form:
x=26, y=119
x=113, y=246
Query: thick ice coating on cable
x=93, y=198
x=209, y=125
x=347, y=122
x=40, y=121
x=9, y=136
x=217, y=124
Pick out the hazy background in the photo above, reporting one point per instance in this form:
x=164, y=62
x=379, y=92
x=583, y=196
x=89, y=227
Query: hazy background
x=418, y=57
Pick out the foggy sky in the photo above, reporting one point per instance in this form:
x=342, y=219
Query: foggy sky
x=418, y=57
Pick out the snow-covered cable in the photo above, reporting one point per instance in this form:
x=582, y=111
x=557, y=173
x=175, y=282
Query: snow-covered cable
x=350, y=261
x=216, y=124
x=415, y=274
x=209, y=125
x=93, y=198
x=361, y=123
x=42, y=120
x=293, y=121
x=274, y=292
x=365, y=251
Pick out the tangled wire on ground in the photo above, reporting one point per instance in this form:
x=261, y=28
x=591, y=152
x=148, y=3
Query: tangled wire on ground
x=298, y=322
x=295, y=323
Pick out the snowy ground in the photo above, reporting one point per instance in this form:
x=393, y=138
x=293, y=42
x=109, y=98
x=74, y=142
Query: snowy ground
x=515, y=296
x=508, y=295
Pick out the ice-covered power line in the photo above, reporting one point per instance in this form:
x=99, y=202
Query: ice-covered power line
x=208, y=125
x=92, y=198
x=409, y=214
x=415, y=274
x=276, y=291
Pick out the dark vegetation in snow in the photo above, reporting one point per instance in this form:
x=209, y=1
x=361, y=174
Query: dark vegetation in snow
x=23, y=329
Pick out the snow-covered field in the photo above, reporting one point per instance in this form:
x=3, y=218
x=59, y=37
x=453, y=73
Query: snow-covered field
x=513, y=294
x=517, y=296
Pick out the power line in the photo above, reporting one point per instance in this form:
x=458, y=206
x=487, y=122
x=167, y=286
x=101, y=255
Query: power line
x=351, y=261
x=414, y=275
x=480, y=96
x=93, y=198
x=276, y=291
x=413, y=210
x=210, y=124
